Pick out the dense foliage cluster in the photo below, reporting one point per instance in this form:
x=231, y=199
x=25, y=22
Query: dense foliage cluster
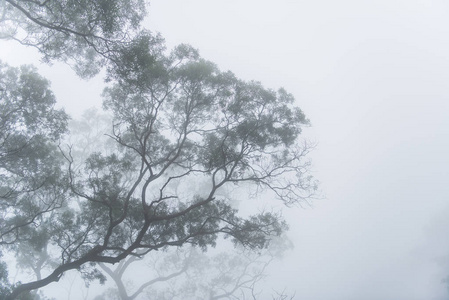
x=82, y=32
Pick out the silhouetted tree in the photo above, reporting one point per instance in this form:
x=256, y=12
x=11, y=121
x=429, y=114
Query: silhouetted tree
x=177, y=119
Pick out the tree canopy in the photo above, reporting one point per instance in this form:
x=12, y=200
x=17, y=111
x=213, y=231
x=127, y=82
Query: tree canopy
x=182, y=132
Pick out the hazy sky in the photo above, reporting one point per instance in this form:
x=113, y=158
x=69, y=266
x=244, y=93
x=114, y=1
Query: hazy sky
x=373, y=78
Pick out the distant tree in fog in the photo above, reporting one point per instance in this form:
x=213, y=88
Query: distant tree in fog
x=186, y=273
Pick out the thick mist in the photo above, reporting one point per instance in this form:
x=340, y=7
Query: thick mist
x=372, y=77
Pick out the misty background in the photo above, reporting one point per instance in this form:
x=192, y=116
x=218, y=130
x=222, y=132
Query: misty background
x=372, y=76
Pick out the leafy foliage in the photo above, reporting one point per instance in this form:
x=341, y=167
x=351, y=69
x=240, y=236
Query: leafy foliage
x=82, y=31
x=30, y=166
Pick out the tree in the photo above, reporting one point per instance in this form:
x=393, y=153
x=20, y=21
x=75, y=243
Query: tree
x=30, y=166
x=186, y=273
x=30, y=163
x=4, y=282
x=82, y=32
x=177, y=119
x=33, y=254
x=173, y=265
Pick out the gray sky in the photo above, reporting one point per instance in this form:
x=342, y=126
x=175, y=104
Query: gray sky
x=372, y=76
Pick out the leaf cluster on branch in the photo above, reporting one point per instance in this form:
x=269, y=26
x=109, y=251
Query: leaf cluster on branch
x=81, y=32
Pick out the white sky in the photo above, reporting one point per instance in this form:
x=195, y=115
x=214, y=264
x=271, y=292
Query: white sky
x=373, y=77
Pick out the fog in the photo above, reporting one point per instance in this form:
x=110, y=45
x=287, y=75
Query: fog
x=372, y=76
